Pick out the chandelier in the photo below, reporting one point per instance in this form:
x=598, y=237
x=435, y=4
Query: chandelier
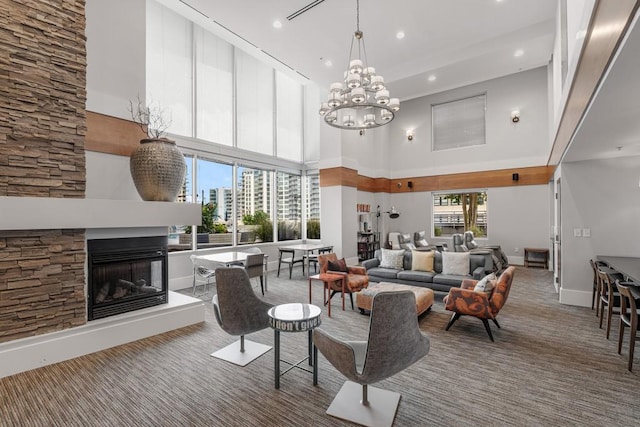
x=360, y=101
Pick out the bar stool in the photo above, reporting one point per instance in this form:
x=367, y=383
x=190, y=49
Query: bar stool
x=629, y=317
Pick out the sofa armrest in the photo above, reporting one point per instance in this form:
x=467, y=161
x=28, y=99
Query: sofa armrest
x=371, y=263
x=479, y=273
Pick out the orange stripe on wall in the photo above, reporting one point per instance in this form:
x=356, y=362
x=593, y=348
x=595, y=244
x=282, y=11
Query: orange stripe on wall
x=111, y=135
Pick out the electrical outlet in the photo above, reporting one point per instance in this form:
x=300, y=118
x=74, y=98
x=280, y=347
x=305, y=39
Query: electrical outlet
x=516, y=250
x=586, y=232
x=577, y=232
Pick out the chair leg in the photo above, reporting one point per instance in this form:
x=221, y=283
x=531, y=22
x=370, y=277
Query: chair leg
x=488, y=328
x=496, y=322
x=453, y=319
x=609, y=314
x=632, y=345
x=601, y=312
x=290, y=269
x=279, y=262
x=262, y=285
x=593, y=296
x=351, y=295
x=620, y=335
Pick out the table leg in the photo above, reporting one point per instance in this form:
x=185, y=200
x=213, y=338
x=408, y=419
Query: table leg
x=276, y=357
x=265, y=274
x=343, y=294
x=327, y=288
x=315, y=365
x=311, y=348
x=309, y=290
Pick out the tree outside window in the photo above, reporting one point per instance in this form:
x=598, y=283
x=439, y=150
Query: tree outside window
x=455, y=213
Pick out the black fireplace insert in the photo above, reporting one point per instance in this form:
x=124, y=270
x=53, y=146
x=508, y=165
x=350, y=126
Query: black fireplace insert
x=126, y=274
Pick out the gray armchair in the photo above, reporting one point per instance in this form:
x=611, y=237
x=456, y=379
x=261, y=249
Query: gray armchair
x=458, y=243
x=255, y=268
x=394, y=343
x=239, y=312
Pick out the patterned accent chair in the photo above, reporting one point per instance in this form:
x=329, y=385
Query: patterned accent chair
x=465, y=301
x=355, y=278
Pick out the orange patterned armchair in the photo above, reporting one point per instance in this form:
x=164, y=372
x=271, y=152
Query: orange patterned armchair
x=485, y=306
x=355, y=277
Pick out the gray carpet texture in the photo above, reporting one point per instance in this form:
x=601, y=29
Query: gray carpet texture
x=550, y=366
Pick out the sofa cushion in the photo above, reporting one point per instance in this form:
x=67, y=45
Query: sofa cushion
x=486, y=284
x=392, y=259
x=449, y=279
x=455, y=263
x=422, y=260
x=385, y=273
x=416, y=276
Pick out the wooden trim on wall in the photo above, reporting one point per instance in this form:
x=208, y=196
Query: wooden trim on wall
x=609, y=24
x=536, y=175
x=111, y=135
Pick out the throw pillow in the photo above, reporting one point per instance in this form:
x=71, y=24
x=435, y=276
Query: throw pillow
x=487, y=283
x=392, y=258
x=337, y=265
x=422, y=260
x=455, y=263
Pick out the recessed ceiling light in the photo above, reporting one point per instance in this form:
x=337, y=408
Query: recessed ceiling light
x=518, y=53
x=328, y=63
x=400, y=35
x=431, y=78
x=277, y=24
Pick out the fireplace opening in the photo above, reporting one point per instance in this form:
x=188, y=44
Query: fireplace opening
x=126, y=274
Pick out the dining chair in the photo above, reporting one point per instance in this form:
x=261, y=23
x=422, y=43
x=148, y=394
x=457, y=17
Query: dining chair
x=629, y=317
x=609, y=296
x=313, y=257
x=288, y=256
x=595, y=293
x=255, y=268
x=201, y=274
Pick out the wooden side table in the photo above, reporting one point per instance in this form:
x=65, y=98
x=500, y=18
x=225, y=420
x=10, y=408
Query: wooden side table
x=536, y=257
x=326, y=279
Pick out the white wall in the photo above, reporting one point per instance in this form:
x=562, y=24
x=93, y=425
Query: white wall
x=508, y=145
x=518, y=217
x=601, y=195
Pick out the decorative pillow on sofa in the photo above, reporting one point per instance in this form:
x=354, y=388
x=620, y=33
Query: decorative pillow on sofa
x=455, y=263
x=487, y=283
x=422, y=260
x=392, y=258
x=337, y=265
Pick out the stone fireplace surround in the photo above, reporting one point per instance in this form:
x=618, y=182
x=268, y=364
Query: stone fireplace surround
x=67, y=224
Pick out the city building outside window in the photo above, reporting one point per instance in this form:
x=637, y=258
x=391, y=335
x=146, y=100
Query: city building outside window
x=289, y=206
x=312, y=205
x=253, y=203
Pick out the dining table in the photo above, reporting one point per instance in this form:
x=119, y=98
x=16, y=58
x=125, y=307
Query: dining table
x=306, y=249
x=229, y=258
x=628, y=266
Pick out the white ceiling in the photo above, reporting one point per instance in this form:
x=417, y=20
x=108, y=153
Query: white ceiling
x=459, y=41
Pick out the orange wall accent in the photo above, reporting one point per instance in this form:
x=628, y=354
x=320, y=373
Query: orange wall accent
x=107, y=134
x=339, y=176
x=537, y=175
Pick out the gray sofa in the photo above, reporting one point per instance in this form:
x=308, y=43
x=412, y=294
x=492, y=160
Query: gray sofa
x=433, y=280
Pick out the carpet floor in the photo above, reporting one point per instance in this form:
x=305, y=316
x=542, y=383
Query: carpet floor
x=550, y=365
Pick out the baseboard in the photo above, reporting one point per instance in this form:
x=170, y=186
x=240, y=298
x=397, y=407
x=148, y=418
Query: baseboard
x=42, y=350
x=575, y=297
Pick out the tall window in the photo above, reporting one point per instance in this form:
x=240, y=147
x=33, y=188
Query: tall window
x=255, y=104
x=254, y=203
x=289, y=118
x=312, y=206
x=459, y=212
x=214, y=75
x=169, y=66
x=289, y=205
x=459, y=123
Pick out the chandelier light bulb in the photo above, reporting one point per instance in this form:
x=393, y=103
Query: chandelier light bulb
x=336, y=87
x=348, y=121
x=358, y=95
x=324, y=109
x=353, y=80
x=369, y=119
x=382, y=97
x=355, y=66
x=335, y=99
x=394, y=104
x=377, y=83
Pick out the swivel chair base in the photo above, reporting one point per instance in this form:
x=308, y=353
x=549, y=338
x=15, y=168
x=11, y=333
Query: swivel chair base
x=380, y=412
x=232, y=353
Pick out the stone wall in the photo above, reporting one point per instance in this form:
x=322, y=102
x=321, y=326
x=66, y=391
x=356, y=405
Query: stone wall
x=42, y=134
